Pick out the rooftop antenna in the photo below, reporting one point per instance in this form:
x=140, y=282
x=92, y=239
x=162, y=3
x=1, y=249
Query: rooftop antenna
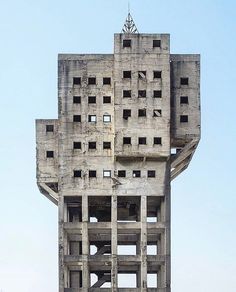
x=129, y=26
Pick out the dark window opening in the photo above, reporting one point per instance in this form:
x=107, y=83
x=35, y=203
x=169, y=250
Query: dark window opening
x=92, y=99
x=75, y=247
x=76, y=99
x=126, y=93
x=184, y=99
x=142, y=93
x=183, y=119
x=151, y=173
x=77, y=173
x=126, y=43
x=157, y=94
x=136, y=173
x=156, y=74
x=106, y=81
x=106, y=99
x=106, y=145
x=92, y=173
x=91, y=80
x=142, y=140
x=157, y=113
x=49, y=128
x=157, y=140
x=126, y=74
x=156, y=43
x=75, y=279
x=77, y=80
x=142, y=112
x=99, y=210
x=77, y=118
x=126, y=114
x=92, y=118
x=92, y=145
x=184, y=80
x=126, y=140
x=50, y=154
x=77, y=145
x=142, y=74
x=121, y=173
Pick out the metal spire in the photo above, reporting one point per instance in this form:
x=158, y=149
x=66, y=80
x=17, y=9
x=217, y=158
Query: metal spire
x=129, y=26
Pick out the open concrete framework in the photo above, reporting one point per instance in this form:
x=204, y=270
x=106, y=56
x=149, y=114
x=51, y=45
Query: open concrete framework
x=128, y=124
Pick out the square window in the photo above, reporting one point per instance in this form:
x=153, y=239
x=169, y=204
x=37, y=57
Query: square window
x=126, y=43
x=92, y=80
x=92, y=99
x=183, y=119
x=126, y=114
x=157, y=94
x=106, y=173
x=77, y=145
x=184, y=80
x=92, y=173
x=142, y=112
x=77, y=118
x=77, y=80
x=92, y=118
x=76, y=99
x=92, y=145
x=127, y=74
x=50, y=154
x=136, y=173
x=49, y=128
x=106, y=99
x=156, y=74
x=151, y=173
x=142, y=74
x=106, y=118
x=126, y=93
x=157, y=140
x=126, y=140
x=142, y=140
x=142, y=93
x=106, y=81
x=106, y=145
x=77, y=173
x=156, y=43
x=157, y=113
x=121, y=173
x=184, y=99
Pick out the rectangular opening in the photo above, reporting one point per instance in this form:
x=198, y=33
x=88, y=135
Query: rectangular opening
x=142, y=140
x=99, y=208
x=106, y=145
x=92, y=80
x=100, y=247
x=127, y=140
x=92, y=118
x=126, y=43
x=153, y=209
x=152, y=280
x=77, y=173
x=76, y=99
x=127, y=280
x=183, y=119
x=77, y=118
x=157, y=141
x=75, y=279
x=106, y=118
x=92, y=99
x=152, y=249
x=128, y=209
x=156, y=74
x=106, y=173
x=142, y=74
x=100, y=279
x=126, y=249
x=77, y=80
x=142, y=93
x=75, y=248
x=142, y=112
x=126, y=93
x=106, y=99
x=151, y=173
x=74, y=209
x=156, y=43
x=126, y=114
x=92, y=145
x=157, y=113
x=50, y=154
x=136, y=173
x=49, y=128
x=77, y=145
x=127, y=74
x=106, y=81
x=184, y=80
x=157, y=94
x=184, y=99
x=92, y=173
x=121, y=173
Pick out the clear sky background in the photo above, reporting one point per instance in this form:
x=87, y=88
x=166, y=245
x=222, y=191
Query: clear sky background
x=32, y=33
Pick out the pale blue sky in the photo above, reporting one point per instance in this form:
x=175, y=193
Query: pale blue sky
x=32, y=33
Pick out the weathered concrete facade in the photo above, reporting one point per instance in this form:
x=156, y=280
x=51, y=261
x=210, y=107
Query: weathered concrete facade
x=128, y=124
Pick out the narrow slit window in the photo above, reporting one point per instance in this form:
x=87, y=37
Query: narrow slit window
x=156, y=74
x=121, y=173
x=92, y=173
x=142, y=93
x=157, y=113
x=151, y=173
x=92, y=118
x=106, y=173
x=106, y=99
x=77, y=118
x=77, y=80
x=142, y=112
x=157, y=94
x=136, y=173
x=184, y=99
x=126, y=43
x=127, y=74
x=142, y=140
x=157, y=141
x=77, y=173
x=126, y=114
x=106, y=118
x=156, y=43
x=142, y=74
x=49, y=128
x=92, y=99
x=106, y=145
x=106, y=81
x=127, y=140
x=184, y=80
x=92, y=80
x=126, y=93
x=76, y=99
x=183, y=119
x=50, y=154
x=77, y=145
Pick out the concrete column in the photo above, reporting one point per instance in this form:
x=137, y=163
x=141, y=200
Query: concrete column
x=143, y=243
x=114, y=268
x=85, y=244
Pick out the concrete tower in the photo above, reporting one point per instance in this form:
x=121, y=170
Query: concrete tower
x=128, y=123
